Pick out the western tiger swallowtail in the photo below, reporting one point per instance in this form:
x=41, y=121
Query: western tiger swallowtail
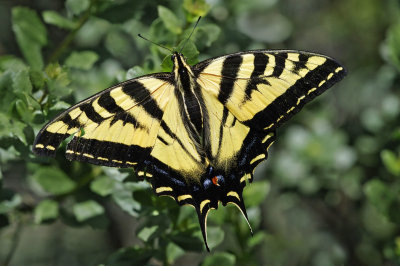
x=197, y=133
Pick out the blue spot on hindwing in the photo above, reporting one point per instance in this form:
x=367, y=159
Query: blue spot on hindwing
x=207, y=183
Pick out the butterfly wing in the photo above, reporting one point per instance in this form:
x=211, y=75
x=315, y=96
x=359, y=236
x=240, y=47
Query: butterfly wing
x=263, y=89
x=248, y=95
x=116, y=127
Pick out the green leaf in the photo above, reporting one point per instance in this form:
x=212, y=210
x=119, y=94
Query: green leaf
x=393, y=42
x=12, y=128
x=53, y=180
x=53, y=18
x=22, y=109
x=215, y=236
x=196, y=7
x=256, y=193
x=22, y=82
x=31, y=35
x=220, y=258
x=190, y=52
x=171, y=22
x=123, y=198
x=9, y=62
x=77, y=6
x=9, y=201
x=391, y=162
x=379, y=194
x=212, y=32
x=167, y=64
x=147, y=232
x=257, y=239
x=82, y=60
x=118, y=43
x=173, y=252
x=46, y=210
x=60, y=105
x=102, y=185
x=37, y=78
x=87, y=209
x=57, y=80
x=135, y=72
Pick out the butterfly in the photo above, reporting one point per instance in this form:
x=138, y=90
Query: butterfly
x=197, y=133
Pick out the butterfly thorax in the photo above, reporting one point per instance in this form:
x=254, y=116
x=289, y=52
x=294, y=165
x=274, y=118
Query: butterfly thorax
x=192, y=105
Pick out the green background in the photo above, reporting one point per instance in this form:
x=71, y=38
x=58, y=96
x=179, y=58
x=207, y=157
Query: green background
x=329, y=193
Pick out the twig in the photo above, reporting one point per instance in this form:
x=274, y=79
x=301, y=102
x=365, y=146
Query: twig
x=70, y=37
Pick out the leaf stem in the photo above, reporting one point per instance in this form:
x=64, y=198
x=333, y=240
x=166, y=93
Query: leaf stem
x=70, y=37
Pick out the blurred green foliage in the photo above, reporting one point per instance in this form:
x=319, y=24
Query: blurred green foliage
x=328, y=195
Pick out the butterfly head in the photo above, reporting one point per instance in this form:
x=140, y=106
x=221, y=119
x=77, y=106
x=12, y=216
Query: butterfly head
x=176, y=58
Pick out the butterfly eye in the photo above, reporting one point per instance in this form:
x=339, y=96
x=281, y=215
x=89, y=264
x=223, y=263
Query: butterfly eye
x=173, y=58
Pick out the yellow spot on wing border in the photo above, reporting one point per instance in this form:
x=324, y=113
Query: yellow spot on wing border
x=233, y=194
x=245, y=177
x=258, y=157
x=203, y=203
x=183, y=197
x=163, y=189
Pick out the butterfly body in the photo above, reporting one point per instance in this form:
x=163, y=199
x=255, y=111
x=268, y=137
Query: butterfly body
x=196, y=133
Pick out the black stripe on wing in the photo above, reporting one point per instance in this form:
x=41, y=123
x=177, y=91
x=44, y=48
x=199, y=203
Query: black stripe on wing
x=229, y=72
x=314, y=83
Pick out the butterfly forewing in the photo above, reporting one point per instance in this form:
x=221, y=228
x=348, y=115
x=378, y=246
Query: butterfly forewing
x=265, y=88
x=116, y=127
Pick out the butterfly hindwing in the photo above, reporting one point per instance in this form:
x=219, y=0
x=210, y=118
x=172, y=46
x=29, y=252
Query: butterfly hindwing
x=116, y=127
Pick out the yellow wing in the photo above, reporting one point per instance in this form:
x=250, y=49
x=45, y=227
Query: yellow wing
x=116, y=127
x=265, y=88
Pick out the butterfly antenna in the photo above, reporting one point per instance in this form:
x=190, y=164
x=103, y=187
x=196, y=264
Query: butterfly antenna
x=197, y=22
x=162, y=46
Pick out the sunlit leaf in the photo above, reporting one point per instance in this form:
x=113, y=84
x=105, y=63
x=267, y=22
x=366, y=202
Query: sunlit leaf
x=196, y=7
x=54, y=18
x=147, y=232
x=87, y=209
x=53, y=180
x=82, y=60
x=102, y=185
x=391, y=161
